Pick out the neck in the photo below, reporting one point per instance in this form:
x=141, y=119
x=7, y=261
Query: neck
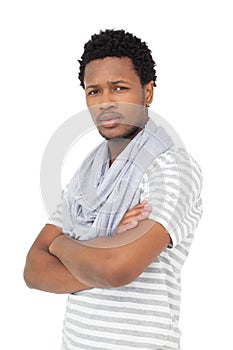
x=116, y=146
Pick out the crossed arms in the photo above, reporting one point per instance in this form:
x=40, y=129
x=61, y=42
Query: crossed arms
x=59, y=264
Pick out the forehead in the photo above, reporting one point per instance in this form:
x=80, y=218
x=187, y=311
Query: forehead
x=110, y=69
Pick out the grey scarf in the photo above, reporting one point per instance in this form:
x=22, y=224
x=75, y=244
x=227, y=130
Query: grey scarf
x=98, y=195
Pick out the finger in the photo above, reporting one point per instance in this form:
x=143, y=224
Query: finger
x=139, y=205
x=133, y=212
x=126, y=227
x=137, y=209
x=136, y=215
x=143, y=202
x=144, y=215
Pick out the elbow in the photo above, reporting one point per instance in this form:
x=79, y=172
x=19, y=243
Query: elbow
x=118, y=278
x=28, y=278
x=118, y=275
x=28, y=273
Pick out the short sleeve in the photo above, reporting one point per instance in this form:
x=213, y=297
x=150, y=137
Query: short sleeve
x=56, y=217
x=172, y=186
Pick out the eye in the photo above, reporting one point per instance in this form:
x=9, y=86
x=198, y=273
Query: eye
x=120, y=88
x=93, y=92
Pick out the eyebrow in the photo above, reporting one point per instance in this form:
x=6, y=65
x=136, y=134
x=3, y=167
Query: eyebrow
x=109, y=83
x=118, y=82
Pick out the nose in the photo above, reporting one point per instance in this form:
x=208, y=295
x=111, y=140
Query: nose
x=107, y=106
x=106, y=101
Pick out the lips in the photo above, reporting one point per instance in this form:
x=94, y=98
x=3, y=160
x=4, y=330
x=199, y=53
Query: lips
x=109, y=119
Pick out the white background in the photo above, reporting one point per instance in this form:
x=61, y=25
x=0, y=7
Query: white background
x=191, y=42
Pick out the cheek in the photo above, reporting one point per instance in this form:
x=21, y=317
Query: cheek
x=94, y=112
x=136, y=97
x=88, y=102
x=131, y=111
x=139, y=98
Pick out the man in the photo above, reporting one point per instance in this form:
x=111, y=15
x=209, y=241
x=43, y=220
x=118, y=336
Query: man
x=118, y=257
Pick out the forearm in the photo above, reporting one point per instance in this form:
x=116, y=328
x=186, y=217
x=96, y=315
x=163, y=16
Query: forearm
x=91, y=266
x=85, y=263
x=46, y=272
x=115, y=266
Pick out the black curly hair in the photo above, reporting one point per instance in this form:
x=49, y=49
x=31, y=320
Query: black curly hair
x=118, y=43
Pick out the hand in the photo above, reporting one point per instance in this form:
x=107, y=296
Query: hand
x=132, y=217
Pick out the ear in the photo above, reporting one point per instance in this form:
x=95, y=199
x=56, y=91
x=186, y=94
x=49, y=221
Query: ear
x=149, y=92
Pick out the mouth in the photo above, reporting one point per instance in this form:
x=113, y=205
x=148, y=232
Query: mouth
x=109, y=120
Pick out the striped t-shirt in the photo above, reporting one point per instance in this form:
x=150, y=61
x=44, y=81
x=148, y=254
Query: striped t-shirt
x=143, y=314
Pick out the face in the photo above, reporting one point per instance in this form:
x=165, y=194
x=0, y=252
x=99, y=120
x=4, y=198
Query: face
x=115, y=97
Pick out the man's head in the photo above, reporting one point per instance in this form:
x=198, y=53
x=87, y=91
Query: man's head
x=118, y=75
x=118, y=43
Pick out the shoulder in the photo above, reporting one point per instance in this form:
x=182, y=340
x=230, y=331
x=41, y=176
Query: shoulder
x=175, y=165
x=173, y=187
x=175, y=156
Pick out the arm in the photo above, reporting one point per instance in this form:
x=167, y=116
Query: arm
x=117, y=265
x=45, y=271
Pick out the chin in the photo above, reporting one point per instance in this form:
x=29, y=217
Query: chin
x=121, y=134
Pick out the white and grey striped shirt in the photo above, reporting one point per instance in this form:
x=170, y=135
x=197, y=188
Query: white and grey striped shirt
x=144, y=314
